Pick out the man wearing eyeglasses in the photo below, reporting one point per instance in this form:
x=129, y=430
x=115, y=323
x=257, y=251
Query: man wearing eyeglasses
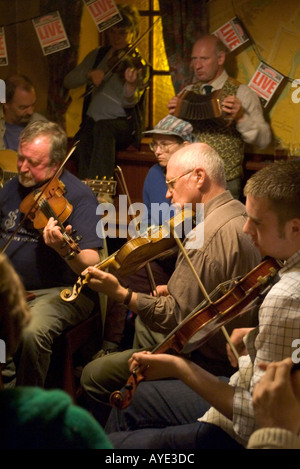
x=195, y=174
x=168, y=136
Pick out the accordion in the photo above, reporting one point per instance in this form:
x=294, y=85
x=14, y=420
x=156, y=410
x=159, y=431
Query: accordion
x=193, y=106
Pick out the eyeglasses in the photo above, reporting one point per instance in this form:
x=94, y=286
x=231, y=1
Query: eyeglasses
x=171, y=182
x=165, y=147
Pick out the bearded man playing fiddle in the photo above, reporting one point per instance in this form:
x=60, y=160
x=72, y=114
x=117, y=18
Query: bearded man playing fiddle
x=42, y=258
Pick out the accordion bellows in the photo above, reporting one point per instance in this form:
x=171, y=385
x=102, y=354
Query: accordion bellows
x=193, y=106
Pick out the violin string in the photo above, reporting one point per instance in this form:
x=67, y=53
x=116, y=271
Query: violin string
x=206, y=295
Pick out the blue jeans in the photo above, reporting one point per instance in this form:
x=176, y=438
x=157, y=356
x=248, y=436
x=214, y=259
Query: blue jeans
x=163, y=415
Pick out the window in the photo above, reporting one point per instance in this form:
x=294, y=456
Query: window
x=153, y=49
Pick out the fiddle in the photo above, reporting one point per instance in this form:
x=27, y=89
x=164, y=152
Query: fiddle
x=126, y=58
x=48, y=201
x=135, y=253
x=203, y=322
x=121, y=58
x=36, y=200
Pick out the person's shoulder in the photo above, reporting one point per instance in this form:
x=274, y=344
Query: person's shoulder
x=94, y=52
x=69, y=178
x=246, y=90
x=36, y=116
x=10, y=186
x=155, y=174
x=234, y=81
x=156, y=169
x=73, y=183
x=226, y=202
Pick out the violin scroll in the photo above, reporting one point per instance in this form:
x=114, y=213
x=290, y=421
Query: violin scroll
x=121, y=401
x=127, y=58
x=70, y=296
x=116, y=399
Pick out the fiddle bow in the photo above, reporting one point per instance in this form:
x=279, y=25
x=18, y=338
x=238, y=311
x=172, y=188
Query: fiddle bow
x=121, y=58
x=203, y=323
x=119, y=174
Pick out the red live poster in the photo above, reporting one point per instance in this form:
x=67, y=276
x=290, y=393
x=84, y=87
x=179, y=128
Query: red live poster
x=3, y=53
x=51, y=33
x=232, y=34
x=265, y=81
x=104, y=12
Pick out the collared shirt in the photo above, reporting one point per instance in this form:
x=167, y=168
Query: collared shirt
x=218, y=83
x=271, y=340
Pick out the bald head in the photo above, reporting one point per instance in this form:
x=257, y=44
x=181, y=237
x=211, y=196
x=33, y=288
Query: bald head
x=208, y=58
x=212, y=42
x=201, y=155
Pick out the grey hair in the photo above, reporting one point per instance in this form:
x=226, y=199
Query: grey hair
x=58, y=138
x=200, y=154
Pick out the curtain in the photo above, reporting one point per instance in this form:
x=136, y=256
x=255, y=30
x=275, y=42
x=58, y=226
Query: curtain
x=60, y=63
x=183, y=22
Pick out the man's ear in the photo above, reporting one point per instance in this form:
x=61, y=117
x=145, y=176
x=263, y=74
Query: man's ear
x=200, y=175
x=221, y=57
x=294, y=229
